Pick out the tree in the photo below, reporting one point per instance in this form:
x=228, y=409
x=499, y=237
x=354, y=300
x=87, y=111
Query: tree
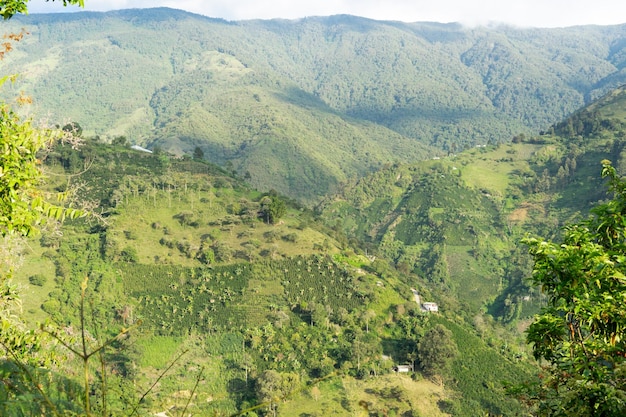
x=9, y=8
x=273, y=387
x=185, y=217
x=74, y=128
x=366, y=317
x=22, y=204
x=366, y=350
x=198, y=153
x=436, y=350
x=272, y=208
x=119, y=141
x=19, y=144
x=581, y=331
x=129, y=254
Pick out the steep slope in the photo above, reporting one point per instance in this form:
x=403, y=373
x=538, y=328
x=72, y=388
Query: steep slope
x=276, y=136
x=457, y=222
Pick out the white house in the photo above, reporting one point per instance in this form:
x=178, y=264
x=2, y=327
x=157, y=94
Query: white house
x=403, y=368
x=432, y=307
x=139, y=148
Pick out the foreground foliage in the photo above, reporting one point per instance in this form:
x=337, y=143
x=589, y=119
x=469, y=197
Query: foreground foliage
x=581, y=331
x=9, y=8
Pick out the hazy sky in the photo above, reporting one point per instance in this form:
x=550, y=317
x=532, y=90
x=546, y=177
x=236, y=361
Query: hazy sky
x=537, y=13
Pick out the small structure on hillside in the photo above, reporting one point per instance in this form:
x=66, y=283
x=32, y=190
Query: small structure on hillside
x=401, y=369
x=431, y=307
x=426, y=306
x=140, y=149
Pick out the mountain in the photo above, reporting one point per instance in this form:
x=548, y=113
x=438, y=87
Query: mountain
x=364, y=163
x=303, y=106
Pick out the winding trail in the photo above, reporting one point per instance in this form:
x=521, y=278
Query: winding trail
x=418, y=300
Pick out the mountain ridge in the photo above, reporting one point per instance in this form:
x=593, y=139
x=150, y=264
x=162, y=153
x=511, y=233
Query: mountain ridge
x=432, y=89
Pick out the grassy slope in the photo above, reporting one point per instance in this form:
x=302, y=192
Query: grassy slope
x=145, y=214
x=347, y=397
x=285, y=139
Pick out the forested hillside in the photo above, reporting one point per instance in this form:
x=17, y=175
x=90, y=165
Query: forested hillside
x=340, y=95
x=457, y=222
x=267, y=300
x=329, y=221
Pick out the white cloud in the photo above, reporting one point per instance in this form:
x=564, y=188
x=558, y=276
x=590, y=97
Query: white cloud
x=541, y=13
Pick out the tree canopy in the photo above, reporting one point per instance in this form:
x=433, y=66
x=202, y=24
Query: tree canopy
x=580, y=333
x=272, y=208
x=436, y=350
x=22, y=205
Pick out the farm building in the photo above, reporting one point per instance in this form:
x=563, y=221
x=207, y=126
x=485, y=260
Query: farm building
x=432, y=307
x=403, y=368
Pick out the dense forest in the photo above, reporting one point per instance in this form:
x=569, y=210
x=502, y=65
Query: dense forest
x=335, y=216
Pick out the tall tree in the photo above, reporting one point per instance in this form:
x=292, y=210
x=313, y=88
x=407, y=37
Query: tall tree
x=581, y=331
x=436, y=350
x=272, y=208
x=198, y=153
x=273, y=387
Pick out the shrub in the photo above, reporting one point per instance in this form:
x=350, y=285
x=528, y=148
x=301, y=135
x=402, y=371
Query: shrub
x=206, y=256
x=129, y=254
x=50, y=240
x=38, y=280
x=291, y=237
x=270, y=236
x=51, y=306
x=223, y=253
x=130, y=235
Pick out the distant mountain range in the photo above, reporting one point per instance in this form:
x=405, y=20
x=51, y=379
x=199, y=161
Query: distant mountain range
x=305, y=105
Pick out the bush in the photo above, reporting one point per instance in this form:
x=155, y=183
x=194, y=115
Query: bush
x=51, y=306
x=129, y=254
x=38, y=280
x=270, y=236
x=130, y=235
x=206, y=256
x=50, y=240
x=291, y=237
x=223, y=253
x=62, y=268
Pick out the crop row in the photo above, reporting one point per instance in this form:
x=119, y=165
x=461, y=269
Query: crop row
x=176, y=299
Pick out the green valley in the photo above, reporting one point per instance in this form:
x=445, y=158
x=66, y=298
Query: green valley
x=325, y=218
